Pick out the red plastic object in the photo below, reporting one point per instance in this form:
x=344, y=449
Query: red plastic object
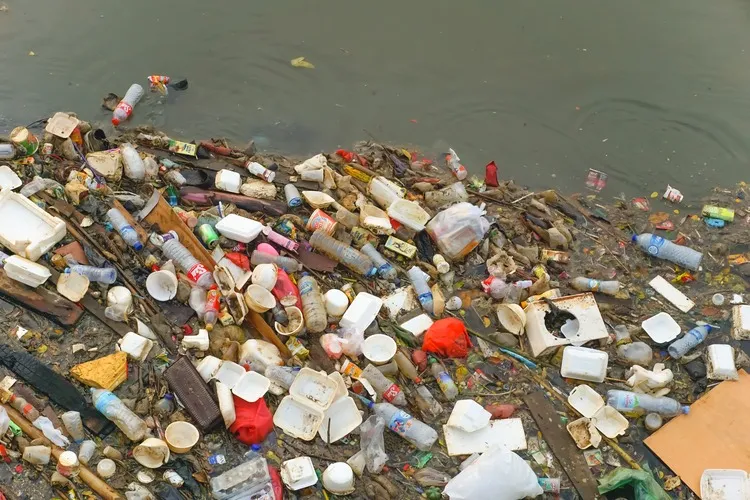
x=239, y=259
x=253, y=422
x=501, y=410
x=419, y=358
x=490, y=174
x=447, y=338
x=284, y=286
x=278, y=487
x=351, y=157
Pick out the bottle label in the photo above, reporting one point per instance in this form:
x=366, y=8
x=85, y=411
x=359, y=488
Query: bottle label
x=655, y=244
x=104, y=401
x=391, y=393
x=628, y=401
x=124, y=106
x=401, y=422
x=196, y=272
x=594, y=285
x=305, y=287
x=425, y=298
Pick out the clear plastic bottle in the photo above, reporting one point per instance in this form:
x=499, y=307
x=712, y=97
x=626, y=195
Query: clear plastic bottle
x=125, y=107
x=591, y=285
x=454, y=162
x=390, y=391
x=181, y=256
x=165, y=406
x=416, y=432
x=691, y=339
x=197, y=301
x=313, y=307
x=342, y=253
x=444, y=379
x=419, y=281
x=127, y=232
x=441, y=264
x=74, y=425
x=639, y=353
x=282, y=375
x=427, y=403
x=664, y=249
x=106, y=275
x=385, y=269
x=212, y=307
x=26, y=408
x=288, y=264
x=406, y=367
x=86, y=451
x=638, y=404
x=115, y=410
x=34, y=186
x=133, y=166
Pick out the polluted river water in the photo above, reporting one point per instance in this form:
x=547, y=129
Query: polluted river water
x=649, y=92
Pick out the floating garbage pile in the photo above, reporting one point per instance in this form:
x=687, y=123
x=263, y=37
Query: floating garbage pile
x=369, y=322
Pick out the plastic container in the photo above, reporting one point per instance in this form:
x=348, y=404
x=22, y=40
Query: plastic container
x=317, y=199
x=73, y=424
x=251, y=387
x=385, y=269
x=288, y=264
x=639, y=353
x=422, y=288
x=379, y=349
x=260, y=354
x=295, y=322
x=8, y=178
x=25, y=271
x=162, y=285
x=196, y=272
x=660, y=248
x=152, y=453
x=27, y=230
x=725, y=484
x=720, y=362
x=583, y=363
x=637, y=404
x=313, y=307
x=298, y=419
x=107, y=275
x=249, y=480
x=691, y=339
x=409, y=213
x=133, y=166
x=587, y=284
x=361, y=312
x=37, y=455
x=115, y=410
x=338, y=478
x=127, y=232
x=239, y=228
x=228, y=180
x=444, y=380
x=388, y=390
x=259, y=299
x=181, y=436
x=298, y=473
x=342, y=253
x=229, y=373
x=125, y=107
x=661, y=328
x=414, y=431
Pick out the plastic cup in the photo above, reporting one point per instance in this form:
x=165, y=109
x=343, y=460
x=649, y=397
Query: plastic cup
x=379, y=349
x=181, y=436
x=162, y=285
x=86, y=451
x=106, y=468
x=151, y=453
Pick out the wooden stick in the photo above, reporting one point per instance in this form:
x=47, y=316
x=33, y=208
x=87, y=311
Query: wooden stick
x=256, y=320
x=87, y=476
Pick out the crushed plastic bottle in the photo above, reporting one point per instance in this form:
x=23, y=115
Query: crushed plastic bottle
x=443, y=379
x=211, y=314
x=127, y=232
x=288, y=264
x=422, y=288
x=660, y=248
x=115, y=410
x=389, y=390
x=454, y=162
x=691, y=339
x=385, y=269
x=181, y=256
x=591, y=285
x=125, y=107
x=427, y=403
x=639, y=353
x=638, y=404
x=372, y=444
x=313, y=306
x=197, y=301
x=133, y=165
x=416, y=432
x=342, y=253
x=107, y=275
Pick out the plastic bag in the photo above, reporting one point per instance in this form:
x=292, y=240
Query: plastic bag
x=447, y=338
x=4, y=421
x=253, y=422
x=371, y=443
x=48, y=429
x=644, y=484
x=458, y=229
x=351, y=341
x=498, y=474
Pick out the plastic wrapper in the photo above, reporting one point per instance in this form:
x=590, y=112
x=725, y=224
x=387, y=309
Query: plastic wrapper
x=458, y=229
x=644, y=485
x=372, y=444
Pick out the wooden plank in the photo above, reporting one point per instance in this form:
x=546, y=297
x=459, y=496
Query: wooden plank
x=166, y=218
x=40, y=300
x=713, y=436
x=256, y=321
x=562, y=445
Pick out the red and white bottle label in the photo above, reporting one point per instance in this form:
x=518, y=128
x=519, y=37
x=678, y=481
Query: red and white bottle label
x=391, y=393
x=196, y=272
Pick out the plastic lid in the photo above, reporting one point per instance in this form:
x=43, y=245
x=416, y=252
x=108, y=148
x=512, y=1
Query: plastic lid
x=685, y=410
x=138, y=246
x=255, y=447
x=634, y=238
x=115, y=122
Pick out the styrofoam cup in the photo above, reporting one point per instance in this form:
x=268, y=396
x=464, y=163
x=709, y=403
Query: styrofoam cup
x=162, y=285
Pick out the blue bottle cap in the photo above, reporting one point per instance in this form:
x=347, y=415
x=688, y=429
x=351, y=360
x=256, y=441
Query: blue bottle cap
x=634, y=238
x=255, y=447
x=685, y=410
x=138, y=246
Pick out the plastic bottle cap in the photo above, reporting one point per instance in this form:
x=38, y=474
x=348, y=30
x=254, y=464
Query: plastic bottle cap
x=634, y=238
x=115, y=122
x=255, y=447
x=685, y=410
x=138, y=246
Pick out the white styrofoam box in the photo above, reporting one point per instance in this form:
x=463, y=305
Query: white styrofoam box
x=469, y=416
x=251, y=386
x=228, y=180
x=298, y=473
x=586, y=400
x=239, y=228
x=741, y=322
x=590, y=404
x=409, y=213
x=507, y=433
x=26, y=229
x=725, y=484
x=25, y=271
x=418, y=325
x=229, y=373
x=720, y=362
x=8, y=178
x=672, y=294
x=362, y=312
x=344, y=417
x=662, y=328
x=298, y=419
x=135, y=346
x=583, y=363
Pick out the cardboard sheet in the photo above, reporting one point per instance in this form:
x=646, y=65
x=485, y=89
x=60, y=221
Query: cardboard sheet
x=714, y=435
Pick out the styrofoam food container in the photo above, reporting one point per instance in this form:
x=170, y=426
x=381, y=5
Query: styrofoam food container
x=662, y=328
x=298, y=419
x=260, y=354
x=8, y=178
x=226, y=404
x=181, y=436
x=584, y=433
x=605, y=418
x=338, y=478
x=298, y=473
x=418, y=324
x=511, y=317
x=336, y=302
x=135, y=346
x=317, y=199
x=586, y=400
x=362, y=312
x=259, y=299
x=228, y=180
x=162, y=285
x=27, y=230
x=314, y=388
x=379, y=349
x=25, y=271
x=251, y=387
x=344, y=416
x=208, y=366
x=469, y=416
x=341, y=390
x=239, y=228
x=610, y=422
x=151, y=453
x=229, y=373
x=725, y=484
x=583, y=363
x=720, y=365
x=409, y=213
x=265, y=275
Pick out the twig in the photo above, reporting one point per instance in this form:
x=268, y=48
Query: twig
x=522, y=197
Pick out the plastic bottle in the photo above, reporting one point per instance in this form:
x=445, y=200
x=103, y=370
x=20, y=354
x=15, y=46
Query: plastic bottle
x=406, y=367
x=385, y=269
x=73, y=424
x=444, y=379
x=637, y=404
x=165, y=406
x=680, y=347
x=212, y=307
x=441, y=264
x=284, y=290
x=639, y=353
x=346, y=218
x=197, y=301
x=288, y=264
x=106, y=275
x=26, y=408
x=313, y=307
x=282, y=375
x=260, y=171
x=419, y=281
x=86, y=451
x=427, y=403
x=665, y=249
x=181, y=256
x=390, y=391
x=591, y=285
x=34, y=186
x=417, y=433
x=125, y=107
x=115, y=410
x=127, y=232
x=454, y=162
x=4, y=422
x=133, y=165
x=343, y=254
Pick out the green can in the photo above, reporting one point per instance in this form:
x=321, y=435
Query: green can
x=208, y=236
x=715, y=212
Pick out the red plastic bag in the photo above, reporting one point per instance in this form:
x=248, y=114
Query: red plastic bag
x=447, y=338
x=253, y=422
x=490, y=174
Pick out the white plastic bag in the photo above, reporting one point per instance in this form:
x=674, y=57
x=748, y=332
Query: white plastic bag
x=50, y=432
x=498, y=474
x=4, y=421
x=457, y=230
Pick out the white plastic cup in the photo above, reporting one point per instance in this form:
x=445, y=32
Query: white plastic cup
x=336, y=303
x=74, y=425
x=68, y=464
x=162, y=285
x=106, y=468
x=313, y=175
x=86, y=451
x=120, y=299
